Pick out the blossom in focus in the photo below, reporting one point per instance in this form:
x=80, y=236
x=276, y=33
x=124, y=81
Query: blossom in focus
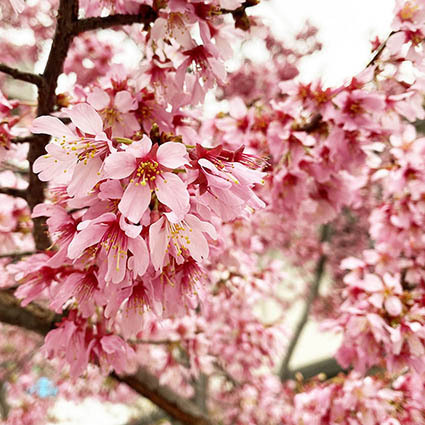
x=148, y=168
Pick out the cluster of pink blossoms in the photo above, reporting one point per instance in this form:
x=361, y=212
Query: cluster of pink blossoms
x=162, y=225
x=146, y=215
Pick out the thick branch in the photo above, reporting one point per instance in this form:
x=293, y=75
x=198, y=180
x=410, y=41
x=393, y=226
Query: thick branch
x=314, y=291
x=145, y=16
x=67, y=16
x=147, y=385
x=23, y=76
x=32, y=317
x=17, y=193
x=150, y=419
x=41, y=320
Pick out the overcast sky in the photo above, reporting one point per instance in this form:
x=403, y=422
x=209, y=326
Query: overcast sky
x=346, y=26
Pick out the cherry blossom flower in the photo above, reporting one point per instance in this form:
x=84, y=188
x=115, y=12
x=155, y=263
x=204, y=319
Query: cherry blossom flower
x=148, y=168
x=75, y=157
x=111, y=238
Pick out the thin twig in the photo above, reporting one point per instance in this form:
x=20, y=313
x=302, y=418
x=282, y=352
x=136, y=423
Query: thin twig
x=27, y=139
x=314, y=291
x=17, y=193
x=154, y=341
x=17, y=255
x=8, y=166
x=28, y=77
x=379, y=50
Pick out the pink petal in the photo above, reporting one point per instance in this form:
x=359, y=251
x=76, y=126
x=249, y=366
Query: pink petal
x=172, y=155
x=130, y=230
x=135, y=201
x=110, y=189
x=98, y=98
x=52, y=126
x=173, y=193
x=84, y=178
x=119, y=165
x=125, y=102
x=82, y=240
x=18, y=5
x=86, y=118
x=117, y=266
x=393, y=306
x=237, y=108
x=140, y=259
x=157, y=243
x=204, y=226
x=140, y=148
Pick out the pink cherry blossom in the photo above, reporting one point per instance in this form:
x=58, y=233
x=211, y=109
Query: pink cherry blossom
x=148, y=169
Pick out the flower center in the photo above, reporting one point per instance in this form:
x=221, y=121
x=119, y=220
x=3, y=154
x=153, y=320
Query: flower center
x=408, y=11
x=146, y=172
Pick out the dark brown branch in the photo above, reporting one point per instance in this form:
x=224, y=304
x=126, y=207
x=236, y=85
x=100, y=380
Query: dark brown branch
x=314, y=291
x=147, y=385
x=240, y=16
x=21, y=75
x=33, y=138
x=32, y=317
x=310, y=126
x=17, y=255
x=145, y=16
x=41, y=321
x=17, y=193
x=67, y=16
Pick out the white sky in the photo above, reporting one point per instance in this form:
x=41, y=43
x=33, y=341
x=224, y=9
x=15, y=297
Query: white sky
x=345, y=28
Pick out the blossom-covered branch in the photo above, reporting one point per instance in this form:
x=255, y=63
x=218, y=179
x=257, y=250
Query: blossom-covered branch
x=37, y=319
x=145, y=16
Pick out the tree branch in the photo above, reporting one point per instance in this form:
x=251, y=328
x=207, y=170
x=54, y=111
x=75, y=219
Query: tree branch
x=314, y=291
x=145, y=16
x=27, y=139
x=379, y=50
x=148, y=15
x=40, y=320
x=32, y=317
x=329, y=367
x=147, y=385
x=23, y=76
x=67, y=16
x=8, y=166
x=17, y=193
x=15, y=256
x=150, y=419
